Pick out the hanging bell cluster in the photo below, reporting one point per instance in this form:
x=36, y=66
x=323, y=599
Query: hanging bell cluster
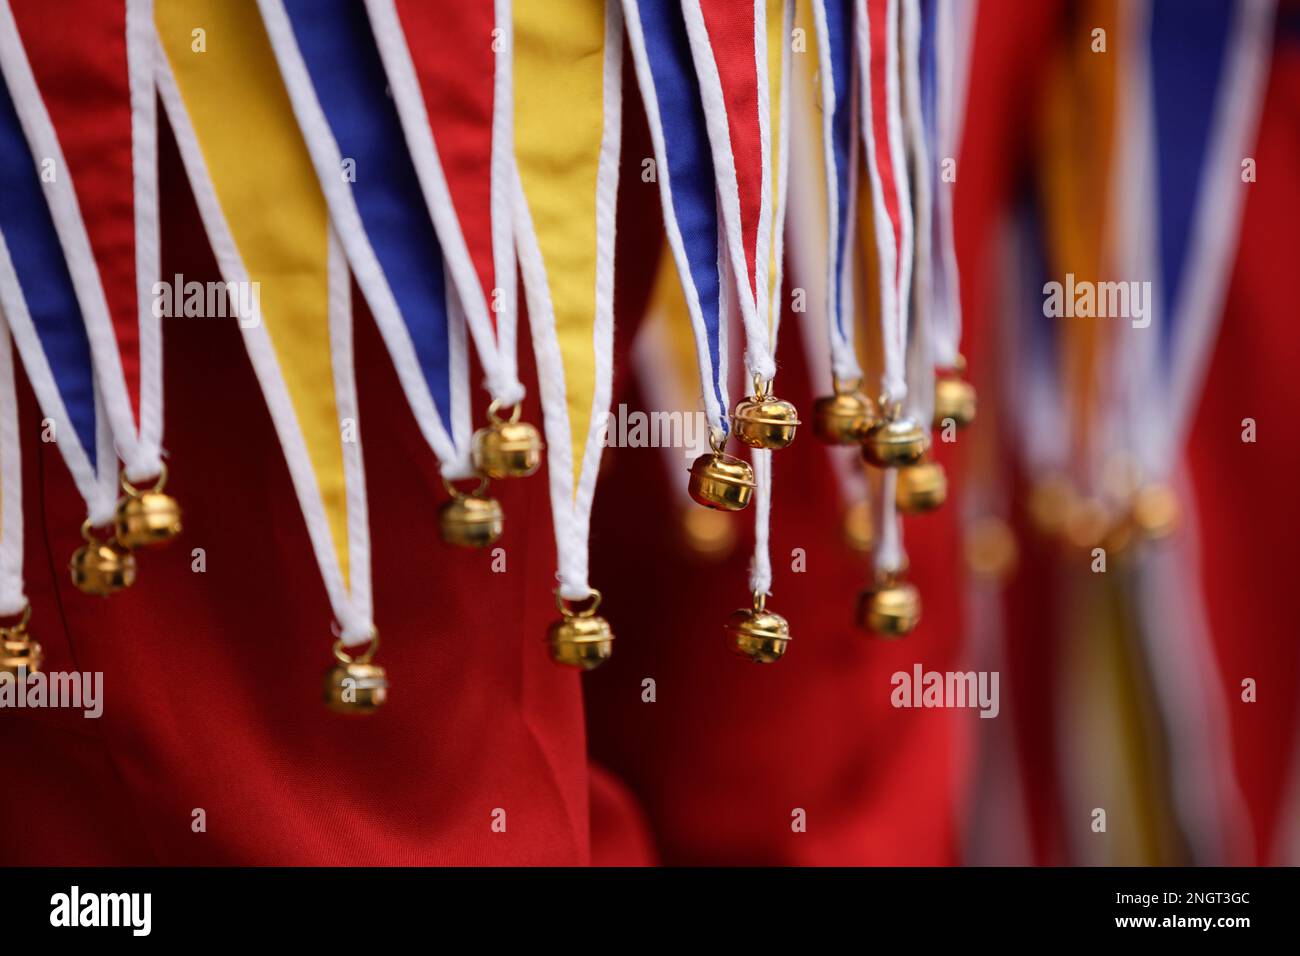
x=890, y=608
x=954, y=397
x=470, y=520
x=580, y=639
x=355, y=685
x=506, y=447
x=1144, y=512
x=143, y=518
x=761, y=420
x=757, y=634
x=20, y=655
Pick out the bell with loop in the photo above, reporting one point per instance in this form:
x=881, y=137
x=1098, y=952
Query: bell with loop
x=472, y=520
x=354, y=685
x=146, y=518
x=844, y=417
x=19, y=654
x=758, y=634
x=506, y=447
x=895, y=440
x=720, y=481
x=890, y=608
x=764, y=421
x=101, y=567
x=954, y=397
x=580, y=639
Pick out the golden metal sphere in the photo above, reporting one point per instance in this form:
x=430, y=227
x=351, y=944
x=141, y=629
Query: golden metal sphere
x=19, y=654
x=954, y=398
x=758, y=634
x=921, y=488
x=842, y=418
x=580, y=639
x=355, y=686
x=506, y=448
x=101, y=567
x=764, y=421
x=721, y=482
x=891, y=609
x=859, y=527
x=895, y=443
x=146, y=519
x=470, y=520
x=1050, y=502
x=991, y=550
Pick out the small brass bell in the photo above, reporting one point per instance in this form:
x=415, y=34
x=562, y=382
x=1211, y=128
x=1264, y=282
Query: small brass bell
x=580, y=638
x=507, y=447
x=146, y=519
x=354, y=685
x=757, y=633
x=721, y=482
x=1155, y=511
x=470, y=520
x=709, y=534
x=954, y=398
x=101, y=567
x=842, y=418
x=890, y=609
x=19, y=654
x=894, y=441
x=921, y=488
x=764, y=421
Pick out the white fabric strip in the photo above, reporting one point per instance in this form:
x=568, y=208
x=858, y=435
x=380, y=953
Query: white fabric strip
x=760, y=569
x=920, y=343
x=350, y=609
x=13, y=597
x=570, y=505
x=454, y=456
x=148, y=237
x=499, y=363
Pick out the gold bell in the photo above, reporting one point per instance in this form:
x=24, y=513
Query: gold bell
x=843, y=418
x=19, y=654
x=470, y=520
x=764, y=421
x=722, y=482
x=921, y=488
x=146, y=518
x=507, y=447
x=101, y=567
x=354, y=685
x=580, y=638
x=890, y=609
x=757, y=633
x=894, y=441
x=954, y=398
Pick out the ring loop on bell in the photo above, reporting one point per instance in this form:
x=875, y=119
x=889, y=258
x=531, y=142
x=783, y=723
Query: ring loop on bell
x=24, y=616
x=343, y=657
x=843, y=387
x=889, y=410
x=564, y=605
x=495, y=407
x=457, y=493
x=760, y=602
x=135, y=492
x=761, y=387
x=717, y=439
x=87, y=530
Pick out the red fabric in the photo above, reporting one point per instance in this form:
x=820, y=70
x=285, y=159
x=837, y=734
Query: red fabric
x=451, y=47
x=1246, y=503
x=77, y=51
x=212, y=680
x=730, y=26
